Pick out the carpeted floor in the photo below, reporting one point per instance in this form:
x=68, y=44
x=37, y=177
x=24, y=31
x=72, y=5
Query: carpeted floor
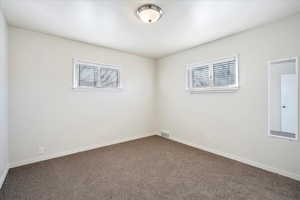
x=151, y=168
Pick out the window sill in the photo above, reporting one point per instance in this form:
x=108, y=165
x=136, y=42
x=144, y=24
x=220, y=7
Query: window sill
x=97, y=89
x=213, y=90
x=284, y=138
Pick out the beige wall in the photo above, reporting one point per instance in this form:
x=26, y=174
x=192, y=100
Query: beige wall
x=3, y=98
x=46, y=112
x=232, y=124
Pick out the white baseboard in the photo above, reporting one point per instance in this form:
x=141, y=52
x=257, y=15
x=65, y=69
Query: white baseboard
x=242, y=160
x=73, y=151
x=3, y=176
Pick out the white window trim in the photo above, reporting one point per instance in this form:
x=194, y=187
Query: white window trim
x=296, y=59
x=211, y=88
x=76, y=74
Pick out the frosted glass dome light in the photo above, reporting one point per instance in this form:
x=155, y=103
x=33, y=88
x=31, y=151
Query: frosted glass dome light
x=149, y=13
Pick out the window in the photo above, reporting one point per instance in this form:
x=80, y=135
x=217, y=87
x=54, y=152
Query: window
x=219, y=75
x=200, y=77
x=91, y=75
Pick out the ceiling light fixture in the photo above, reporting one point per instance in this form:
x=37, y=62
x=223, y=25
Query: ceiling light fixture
x=149, y=13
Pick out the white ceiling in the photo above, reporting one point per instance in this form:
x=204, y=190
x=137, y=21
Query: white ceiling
x=113, y=23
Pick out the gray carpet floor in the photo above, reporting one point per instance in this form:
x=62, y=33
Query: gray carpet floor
x=151, y=168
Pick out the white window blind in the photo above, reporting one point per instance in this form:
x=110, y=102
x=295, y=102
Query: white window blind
x=90, y=75
x=224, y=73
x=200, y=77
x=219, y=75
x=109, y=78
x=87, y=75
